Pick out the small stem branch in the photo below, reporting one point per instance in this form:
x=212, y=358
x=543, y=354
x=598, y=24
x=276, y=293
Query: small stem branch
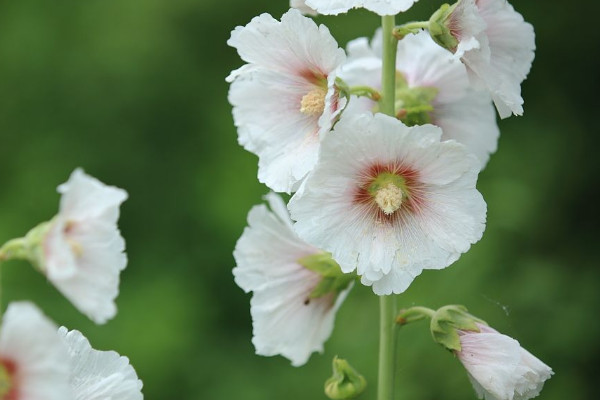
x=413, y=314
x=365, y=91
x=401, y=31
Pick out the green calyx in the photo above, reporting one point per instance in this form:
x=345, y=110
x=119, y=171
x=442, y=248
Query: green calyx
x=29, y=248
x=346, y=382
x=5, y=381
x=439, y=28
x=333, y=279
x=448, y=320
x=413, y=105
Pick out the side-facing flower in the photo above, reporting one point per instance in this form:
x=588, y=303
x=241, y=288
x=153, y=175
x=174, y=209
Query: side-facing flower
x=498, y=367
x=99, y=375
x=389, y=200
x=431, y=87
x=285, y=98
x=83, y=251
x=33, y=362
x=381, y=7
x=495, y=44
x=292, y=309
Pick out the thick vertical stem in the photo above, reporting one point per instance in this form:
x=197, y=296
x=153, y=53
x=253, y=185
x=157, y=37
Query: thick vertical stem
x=388, y=72
x=387, y=347
x=387, y=304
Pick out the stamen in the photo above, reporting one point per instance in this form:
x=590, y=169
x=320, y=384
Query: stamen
x=389, y=198
x=313, y=103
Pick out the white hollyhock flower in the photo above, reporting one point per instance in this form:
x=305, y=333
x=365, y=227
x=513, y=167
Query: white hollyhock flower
x=285, y=97
x=301, y=6
x=381, y=7
x=83, y=248
x=497, y=46
x=33, y=362
x=286, y=320
x=428, y=77
x=390, y=201
x=499, y=368
x=99, y=375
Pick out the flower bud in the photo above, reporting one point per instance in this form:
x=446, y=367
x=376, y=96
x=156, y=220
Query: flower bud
x=439, y=27
x=448, y=320
x=346, y=382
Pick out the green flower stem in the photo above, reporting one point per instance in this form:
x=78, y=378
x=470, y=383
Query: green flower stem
x=413, y=314
x=13, y=249
x=387, y=304
x=387, y=347
x=410, y=28
x=388, y=73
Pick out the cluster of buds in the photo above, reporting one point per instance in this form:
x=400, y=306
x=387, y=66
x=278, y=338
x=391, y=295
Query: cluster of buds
x=81, y=252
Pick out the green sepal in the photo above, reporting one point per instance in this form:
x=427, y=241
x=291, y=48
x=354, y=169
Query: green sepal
x=345, y=383
x=446, y=322
x=439, y=29
x=333, y=279
x=29, y=248
x=413, y=105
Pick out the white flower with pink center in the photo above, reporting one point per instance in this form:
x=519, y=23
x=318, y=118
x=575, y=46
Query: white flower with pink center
x=389, y=200
x=499, y=368
x=33, y=360
x=497, y=46
x=284, y=99
x=99, y=375
x=286, y=319
x=432, y=87
x=83, y=251
x=381, y=7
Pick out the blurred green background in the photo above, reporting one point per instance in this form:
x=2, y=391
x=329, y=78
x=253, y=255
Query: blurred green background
x=133, y=91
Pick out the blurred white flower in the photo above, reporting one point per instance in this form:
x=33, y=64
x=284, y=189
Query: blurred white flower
x=301, y=6
x=33, y=360
x=390, y=201
x=284, y=99
x=99, y=375
x=499, y=368
x=286, y=319
x=381, y=7
x=83, y=251
x=432, y=87
x=497, y=46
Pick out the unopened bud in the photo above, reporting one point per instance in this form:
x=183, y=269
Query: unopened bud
x=346, y=382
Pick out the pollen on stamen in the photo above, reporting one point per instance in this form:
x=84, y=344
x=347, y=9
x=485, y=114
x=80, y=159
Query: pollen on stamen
x=389, y=198
x=313, y=103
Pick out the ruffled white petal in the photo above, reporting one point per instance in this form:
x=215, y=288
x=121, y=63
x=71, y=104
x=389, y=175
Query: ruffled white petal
x=499, y=368
x=288, y=59
x=83, y=249
x=99, y=375
x=502, y=59
x=448, y=217
x=301, y=6
x=285, y=321
x=28, y=342
x=381, y=7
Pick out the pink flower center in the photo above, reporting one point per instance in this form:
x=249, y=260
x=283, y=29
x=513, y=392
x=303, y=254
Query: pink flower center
x=389, y=191
x=8, y=384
